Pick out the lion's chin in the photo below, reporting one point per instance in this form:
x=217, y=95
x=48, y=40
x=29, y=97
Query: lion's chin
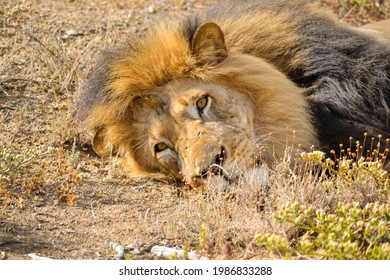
x=226, y=181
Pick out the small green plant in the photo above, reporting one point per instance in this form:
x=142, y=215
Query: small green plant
x=205, y=246
x=73, y=156
x=10, y=11
x=350, y=232
x=25, y=174
x=351, y=168
x=11, y=161
x=16, y=180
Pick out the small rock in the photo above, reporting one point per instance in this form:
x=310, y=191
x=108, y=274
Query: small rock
x=74, y=32
x=136, y=247
x=166, y=253
x=119, y=249
x=34, y=256
x=151, y=9
x=39, y=204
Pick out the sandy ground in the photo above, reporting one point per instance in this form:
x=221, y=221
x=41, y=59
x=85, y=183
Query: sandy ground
x=60, y=200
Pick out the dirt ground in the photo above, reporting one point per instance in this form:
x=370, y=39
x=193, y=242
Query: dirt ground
x=58, y=199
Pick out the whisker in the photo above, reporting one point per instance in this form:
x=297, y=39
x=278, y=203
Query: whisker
x=140, y=145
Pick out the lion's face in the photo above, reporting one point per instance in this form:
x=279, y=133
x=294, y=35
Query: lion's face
x=192, y=129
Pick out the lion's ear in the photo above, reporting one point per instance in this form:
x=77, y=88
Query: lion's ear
x=98, y=142
x=208, y=44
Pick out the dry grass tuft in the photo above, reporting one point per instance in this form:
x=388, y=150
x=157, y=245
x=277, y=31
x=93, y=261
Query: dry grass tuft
x=359, y=12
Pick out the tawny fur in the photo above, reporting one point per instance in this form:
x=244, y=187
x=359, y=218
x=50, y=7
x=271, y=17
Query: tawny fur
x=273, y=75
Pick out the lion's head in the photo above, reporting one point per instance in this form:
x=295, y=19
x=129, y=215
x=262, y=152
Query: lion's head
x=192, y=107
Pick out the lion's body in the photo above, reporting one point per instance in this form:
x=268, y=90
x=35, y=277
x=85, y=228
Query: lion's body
x=268, y=73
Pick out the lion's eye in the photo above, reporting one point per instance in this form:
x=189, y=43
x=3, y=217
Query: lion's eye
x=160, y=147
x=202, y=103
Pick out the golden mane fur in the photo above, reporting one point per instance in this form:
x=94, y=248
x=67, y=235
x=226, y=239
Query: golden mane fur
x=203, y=97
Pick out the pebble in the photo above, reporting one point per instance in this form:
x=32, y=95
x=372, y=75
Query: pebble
x=151, y=9
x=74, y=32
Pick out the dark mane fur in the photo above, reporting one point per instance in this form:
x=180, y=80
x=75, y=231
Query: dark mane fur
x=347, y=77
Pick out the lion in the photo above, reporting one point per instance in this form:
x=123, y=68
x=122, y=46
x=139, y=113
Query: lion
x=234, y=87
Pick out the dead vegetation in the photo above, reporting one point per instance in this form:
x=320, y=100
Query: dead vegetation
x=359, y=12
x=58, y=199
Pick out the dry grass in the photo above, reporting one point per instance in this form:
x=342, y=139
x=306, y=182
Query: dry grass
x=359, y=12
x=51, y=184
x=231, y=216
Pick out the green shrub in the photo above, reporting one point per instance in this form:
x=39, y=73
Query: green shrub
x=350, y=232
